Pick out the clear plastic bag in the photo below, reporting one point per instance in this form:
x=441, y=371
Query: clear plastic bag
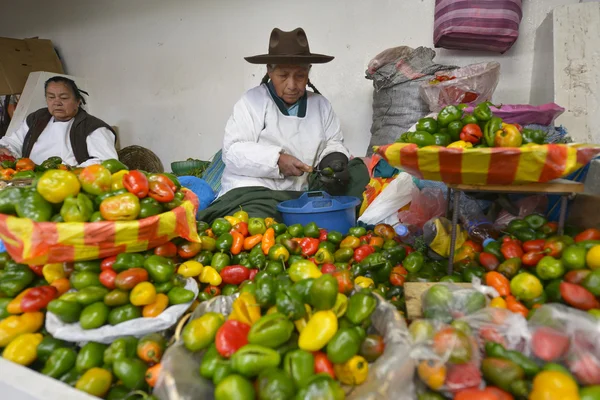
x=474, y=84
x=387, y=56
x=425, y=204
x=445, y=302
x=527, y=205
x=390, y=376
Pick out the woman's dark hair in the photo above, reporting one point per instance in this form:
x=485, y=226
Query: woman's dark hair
x=78, y=93
x=265, y=79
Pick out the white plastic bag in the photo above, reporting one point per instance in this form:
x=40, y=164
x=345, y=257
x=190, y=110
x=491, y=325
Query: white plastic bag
x=384, y=209
x=137, y=327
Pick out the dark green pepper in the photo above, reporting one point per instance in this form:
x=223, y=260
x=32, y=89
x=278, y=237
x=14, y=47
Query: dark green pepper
x=525, y=234
x=533, y=136
x=205, y=258
x=311, y=230
x=91, y=355
x=535, y=221
x=33, y=206
x=423, y=139
x=274, y=384
x=290, y=304
x=61, y=361
x=454, y=129
x=120, y=349
x=296, y=230
x=179, y=295
x=321, y=386
x=271, y=330
x=482, y=112
x=510, y=267
x=176, y=202
x=150, y=207
x=414, y=262
x=83, y=279
x=118, y=297
x=67, y=311
x=131, y=371
x=344, y=345
x=15, y=279
x=257, y=258
x=210, y=359
x=114, y=165
x=160, y=269
x=265, y=292
x=124, y=313
x=224, y=242
x=47, y=346
x=428, y=125
x=275, y=268
x=441, y=139
x=279, y=229
x=229, y=289
x=360, y=307
x=23, y=175
x=469, y=119
x=490, y=129
x=126, y=261
x=357, y=231
x=92, y=266
x=449, y=114
x=493, y=247
x=71, y=377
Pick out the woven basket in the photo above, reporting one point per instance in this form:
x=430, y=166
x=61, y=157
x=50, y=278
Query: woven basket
x=180, y=168
x=138, y=157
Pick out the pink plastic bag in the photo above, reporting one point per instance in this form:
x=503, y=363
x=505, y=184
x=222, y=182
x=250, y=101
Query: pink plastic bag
x=387, y=56
x=526, y=114
x=425, y=204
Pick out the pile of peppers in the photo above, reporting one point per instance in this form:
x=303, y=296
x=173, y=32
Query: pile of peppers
x=454, y=128
x=101, y=192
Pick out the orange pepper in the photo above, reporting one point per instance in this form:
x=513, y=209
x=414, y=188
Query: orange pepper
x=14, y=307
x=252, y=241
x=270, y=222
x=62, y=285
x=210, y=233
x=7, y=174
x=376, y=241
x=268, y=240
x=25, y=164
x=154, y=309
x=498, y=282
x=238, y=242
x=152, y=374
x=515, y=306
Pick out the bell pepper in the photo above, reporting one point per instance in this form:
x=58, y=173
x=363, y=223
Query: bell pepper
x=491, y=127
x=322, y=386
x=245, y=309
x=273, y=382
x=33, y=206
x=56, y=185
x=311, y=230
x=47, y=346
x=124, y=261
x=90, y=356
x=199, y=333
x=120, y=349
x=116, y=316
x=344, y=345
x=278, y=252
x=160, y=192
x=224, y=242
x=234, y=274
x=497, y=350
x=449, y=114
x=23, y=349
x=95, y=179
x=508, y=136
x=177, y=201
x=290, y=303
x=578, y=297
x=15, y=279
x=209, y=363
x=256, y=226
x=131, y=371
x=150, y=207
x=60, y=362
x=414, y=262
x=319, y=330
x=516, y=306
x=265, y=292
x=231, y=336
x=24, y=175
x=364, y=282
x=127, y=279
x=511, y=250
x=95, y=381
x=15, y=325
x=471, y=133
x=323, y=292
x=362, y=252
x=50, y=163
x=77, y=208
x=122, y=207
x=136, y=183
x=352, y=372
x=251, y=360
x=350, y=242
x=299, y=365
x=573, y=257
x=554, y=385
x=66, y=311
x=534, y=136
x=510, y=267
x=9, y=198
x=190, y=269
x=160, y=269
x=143, y=294
x=38, y=298
x=360, y=307
x=324, y=256
x=211, y=276
x=271, y=330
x=179, y=295
x=114, y=165
x=309, y=246
x=428, y=125
x=187, y=249
x=302, y=270
x=526, y=286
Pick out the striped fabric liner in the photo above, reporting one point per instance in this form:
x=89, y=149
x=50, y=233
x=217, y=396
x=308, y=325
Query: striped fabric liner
x=492, y=166
x=489, y=25
x=38, y=243
x=214, y=172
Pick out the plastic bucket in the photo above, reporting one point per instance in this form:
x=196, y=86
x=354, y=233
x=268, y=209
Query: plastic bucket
x=334, y=213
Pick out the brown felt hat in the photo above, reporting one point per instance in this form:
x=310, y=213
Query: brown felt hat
x=289, y=48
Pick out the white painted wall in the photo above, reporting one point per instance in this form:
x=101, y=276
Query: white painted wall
x=167, y=73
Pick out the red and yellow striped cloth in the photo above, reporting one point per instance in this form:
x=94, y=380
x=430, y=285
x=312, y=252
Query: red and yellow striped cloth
x=491, y=166
x=37, y=243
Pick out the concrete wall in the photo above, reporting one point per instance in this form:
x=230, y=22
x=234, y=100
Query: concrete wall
x=167, y=73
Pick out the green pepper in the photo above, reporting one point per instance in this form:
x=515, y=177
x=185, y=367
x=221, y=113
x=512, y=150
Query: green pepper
x=552, y=291
x=501, y=372
x=428, y=125
x=229, y=289
x=311, y=230
x=23, y=175
x=224, y=242
x=61, y=361
x=126, y=261
x=441, y=139
x=179, y=295
x=423, y=139
x=335, y=237
x=510, y=267
x=300, y=366
x=360, y=307
x=573, y=257
x=118, y=297
x=234, y=387
x=4, y=258
x=323, y=292
x=357, y=231
x=414, y=261
x=173, y=179
x=252, y=359
x=92, y=266
x=280, y=238
x=482, y=112
x=222, y=260
x=83, y=279
x=8, y=164
x=271, y=330
x=273, y=383
x=449, y=114
x=91, y=294
x=592, y=282
x=257, y=257
x=131, y=371
x=275, y=268
x=473, y=272
x=533, y=136
x=220, y=226
x=265, y=291
x=33, y=206
x=296, y=230
x=210, y=359
x=454, y=129
x=150, y=207
x=71, y=377
x=330, y=247
x=344, y=345
x=120, y=349
x=246, y=287
x=469, y=119
x=303, y=287
x=124, y=313
x=321, y=386
x=290, y=304
x=91, y=355
x=279, y=229
x=550, y=268
x=525, y=234
x=94, y=316
x=521, y=388
x=205, y=258
x=160, y=269
x=114, y=165
x=493, y=247
x=47, y=346
x=490, y=129
x=77, y=208
x=535, y=221
x=496, y=350
x=15, y=279
x=343, y=255
x=67, y=311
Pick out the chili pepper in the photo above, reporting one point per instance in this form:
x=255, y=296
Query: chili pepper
x=515, y=306
x=157, y=307
x=179, y=295
x=322, y=364
x=251, y=360
x=56, y=185
x=23, y=349
x=511, y=250
x=242, y=228
x=534, y=136
x=268, y=240
x=234, y=274
x=60, y=362
x=448, y=115
x=360, y=307
x=252, y=241
x=237, y=242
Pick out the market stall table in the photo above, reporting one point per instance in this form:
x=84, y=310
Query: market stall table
x=561, y=187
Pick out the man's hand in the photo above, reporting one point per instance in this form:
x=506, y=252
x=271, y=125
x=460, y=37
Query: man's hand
x=291, y=166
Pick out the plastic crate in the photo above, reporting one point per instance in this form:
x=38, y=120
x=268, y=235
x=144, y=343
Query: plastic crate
x=334, y=213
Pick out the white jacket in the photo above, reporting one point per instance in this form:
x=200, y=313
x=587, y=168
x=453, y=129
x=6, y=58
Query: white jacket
x=257, y=133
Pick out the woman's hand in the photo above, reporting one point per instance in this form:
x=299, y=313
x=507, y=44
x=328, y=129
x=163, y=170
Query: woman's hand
x=291, y=166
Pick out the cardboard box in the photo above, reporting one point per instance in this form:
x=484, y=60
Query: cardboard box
x=18, y=58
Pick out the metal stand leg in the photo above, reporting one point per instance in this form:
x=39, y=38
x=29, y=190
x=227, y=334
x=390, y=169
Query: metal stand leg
x=563, y=213
x=448, y=196
x=454, y=224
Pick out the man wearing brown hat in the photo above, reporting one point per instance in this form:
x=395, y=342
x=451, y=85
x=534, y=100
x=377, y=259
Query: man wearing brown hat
x=281, y=139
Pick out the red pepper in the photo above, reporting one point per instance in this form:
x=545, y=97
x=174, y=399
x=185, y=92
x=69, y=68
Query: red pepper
x=212, y=290
x=323, y=365
x=344, y=279
x=241, y=227
x=107, y=263
x=398, y=275
x=163, y=179
x=361, y=252
x=534, y=245
x=37, y=269
x=189, y=249
x=574, y=295
x=309, y=246
x=509, y=239
x=168, y=250
x=489, y=261
x=322, y=235
x=161, y=192
x=532, y=258
x=328, y=268
x=511, y=250
x=231, y=336
x=588, y=234
x=136, y=182
x=576, y=276
x=554, y=248
x=253, y=273
x=38, y=298
x=107, y=278
x=235, y=274
x=471, y=133
x=475, y=246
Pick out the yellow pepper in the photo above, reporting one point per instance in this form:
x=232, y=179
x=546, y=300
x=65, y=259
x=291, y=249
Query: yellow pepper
x=303, y=269
x=143, y=293
x=352, y=372
x=270, y=222
x=554, y=385
x=56, y=185
x=53, y=272
x=23, y=349
x=319, y=330
x=460, y=144
x=190, y=269
x=364, y=282
x=246, y=309
x=301, y=323
x=233, y=220
x=14, y=307
x=272, y=310
x=117, y=179
x=211, y=276
x=498, y=302
x=15, y=325
x=432, y=373
x=341, y=305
